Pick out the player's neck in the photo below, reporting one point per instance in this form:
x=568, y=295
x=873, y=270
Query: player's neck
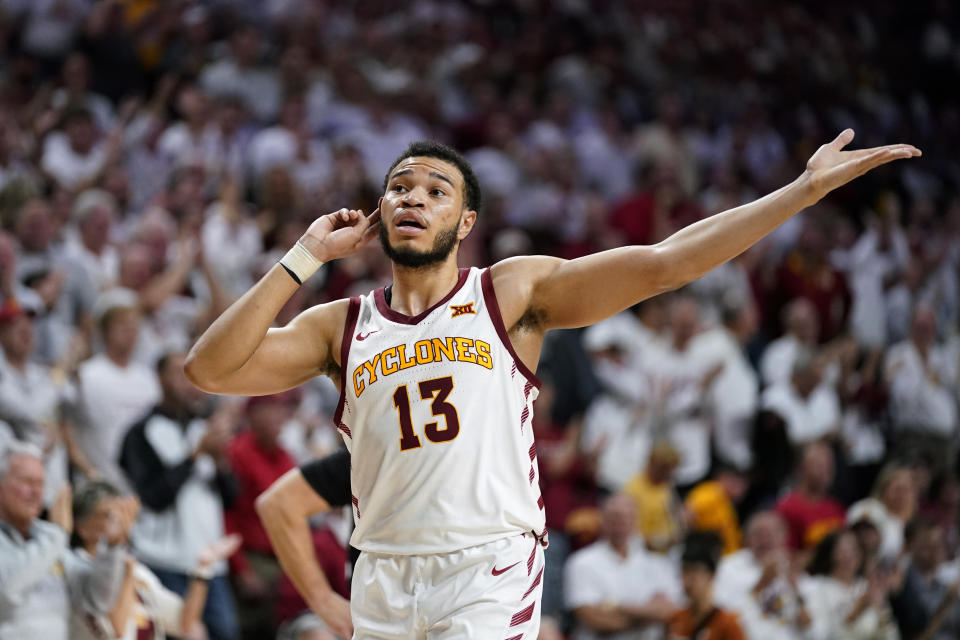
x=416, y=290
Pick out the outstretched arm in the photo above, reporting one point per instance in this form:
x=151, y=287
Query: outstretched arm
x=579, y=292
x=240, y=354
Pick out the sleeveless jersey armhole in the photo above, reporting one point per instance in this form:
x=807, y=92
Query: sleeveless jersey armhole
x=493, y=309
x=352, y=313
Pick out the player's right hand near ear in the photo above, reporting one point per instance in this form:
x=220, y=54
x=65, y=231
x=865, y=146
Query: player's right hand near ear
x=339, y=234
x=334, y=609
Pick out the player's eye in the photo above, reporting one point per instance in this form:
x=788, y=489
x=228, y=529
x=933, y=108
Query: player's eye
x=437, y=192
x=398, y=187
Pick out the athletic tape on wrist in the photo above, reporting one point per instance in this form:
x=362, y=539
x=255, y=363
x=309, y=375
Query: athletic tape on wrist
x=300, y=263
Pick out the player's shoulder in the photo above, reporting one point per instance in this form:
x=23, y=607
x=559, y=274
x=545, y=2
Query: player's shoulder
x=516, y=279
x=325, y=321
x=325, y=315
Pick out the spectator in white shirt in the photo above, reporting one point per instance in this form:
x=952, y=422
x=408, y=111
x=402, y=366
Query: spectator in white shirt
x=617, y=589
x=807, y=405
x=733, y=397
x=843, y=604
x=922, y=405
x=240, y=74
x=114, y=391
x=758, y=583
x=90, y=252
x=681, y=377
x=291, y=145
x=617, y=424
x=30, y=400
x=41, y=582
x=192, y=141
x=879, y=254
x=893, y=504
x=74, y=158
x=803, y=331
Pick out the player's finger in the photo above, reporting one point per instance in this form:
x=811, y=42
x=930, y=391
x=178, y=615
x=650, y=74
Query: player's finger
x=879, y=157
x=842, y=140
x=374, y=216
x=370, y=233
x=893, y=148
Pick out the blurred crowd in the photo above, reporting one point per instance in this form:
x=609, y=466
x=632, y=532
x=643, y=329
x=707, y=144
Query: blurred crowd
x=771, y=451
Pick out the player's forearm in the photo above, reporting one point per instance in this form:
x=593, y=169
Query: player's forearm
x=233, y=337
x=704, y=245
x=291, y=540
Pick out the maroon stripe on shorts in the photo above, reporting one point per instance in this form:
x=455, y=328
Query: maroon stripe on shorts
x=522, y=616
x=533, y=586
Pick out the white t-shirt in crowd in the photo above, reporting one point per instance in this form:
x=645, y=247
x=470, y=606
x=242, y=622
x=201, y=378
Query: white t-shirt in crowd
x=598, y=575
x=920, y=401
x=776, y=363
x=111, y=399
x=733, y=396
x=771, y=614
x=30, y=404
x=68, y=167
x=807, y=419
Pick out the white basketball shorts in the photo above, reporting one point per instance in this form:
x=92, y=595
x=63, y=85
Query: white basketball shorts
x=489, y=592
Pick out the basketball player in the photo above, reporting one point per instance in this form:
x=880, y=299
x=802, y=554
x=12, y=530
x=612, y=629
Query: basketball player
x=437, y=382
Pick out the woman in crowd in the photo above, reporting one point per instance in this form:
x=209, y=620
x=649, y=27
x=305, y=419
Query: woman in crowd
x=145, y=609
x=843, y=604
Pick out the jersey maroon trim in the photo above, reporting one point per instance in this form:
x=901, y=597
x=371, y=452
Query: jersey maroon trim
x=493, y=309
x=348, y=328
x=395, y=316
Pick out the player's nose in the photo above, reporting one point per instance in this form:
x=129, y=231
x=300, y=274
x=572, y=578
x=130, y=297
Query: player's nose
x=413, y=198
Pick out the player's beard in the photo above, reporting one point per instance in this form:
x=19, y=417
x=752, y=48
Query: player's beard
x=443, y=246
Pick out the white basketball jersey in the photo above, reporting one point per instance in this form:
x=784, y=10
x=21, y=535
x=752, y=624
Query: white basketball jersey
x=437, y=413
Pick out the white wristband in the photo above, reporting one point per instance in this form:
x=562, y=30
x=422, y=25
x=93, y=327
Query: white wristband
x=300, y=263
x=203, y=572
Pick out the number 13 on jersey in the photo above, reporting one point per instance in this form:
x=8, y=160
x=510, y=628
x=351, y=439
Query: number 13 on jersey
x=436, y=390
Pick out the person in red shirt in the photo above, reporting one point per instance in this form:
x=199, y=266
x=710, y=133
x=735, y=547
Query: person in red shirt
x=258, y=461
x=809, y=511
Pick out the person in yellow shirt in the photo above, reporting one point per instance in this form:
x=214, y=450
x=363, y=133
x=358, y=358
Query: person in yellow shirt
x=659, y=512
x=710, y=506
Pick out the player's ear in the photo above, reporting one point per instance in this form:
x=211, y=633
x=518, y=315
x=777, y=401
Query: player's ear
x=379, y=202
x=467, y=220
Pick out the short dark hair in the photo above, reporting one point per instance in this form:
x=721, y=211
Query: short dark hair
x=89, y=495
x=702, y=547
x=433, y=149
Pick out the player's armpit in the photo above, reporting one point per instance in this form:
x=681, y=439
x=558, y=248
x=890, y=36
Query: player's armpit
x=561, y=294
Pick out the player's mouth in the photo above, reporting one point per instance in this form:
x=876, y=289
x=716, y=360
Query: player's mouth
x=409, y=224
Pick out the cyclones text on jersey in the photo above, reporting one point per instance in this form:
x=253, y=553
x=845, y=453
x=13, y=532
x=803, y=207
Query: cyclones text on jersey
x=400, y=357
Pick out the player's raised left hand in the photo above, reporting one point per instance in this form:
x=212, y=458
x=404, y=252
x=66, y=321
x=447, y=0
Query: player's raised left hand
x=832, y=167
